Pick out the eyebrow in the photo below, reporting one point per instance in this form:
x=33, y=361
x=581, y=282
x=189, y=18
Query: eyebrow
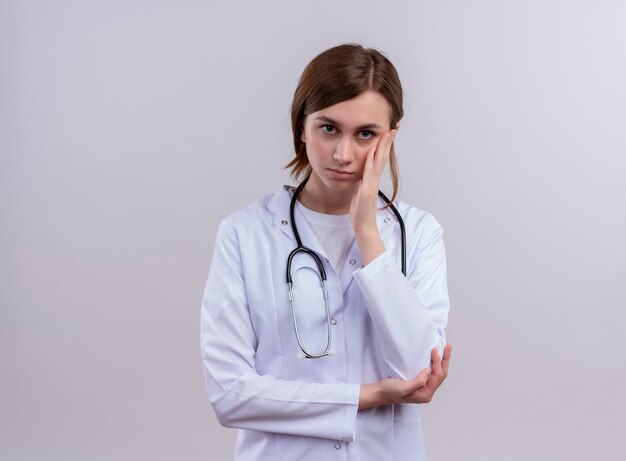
x=323, y=118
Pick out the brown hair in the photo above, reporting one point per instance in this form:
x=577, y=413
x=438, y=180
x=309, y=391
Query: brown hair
x=336, y=75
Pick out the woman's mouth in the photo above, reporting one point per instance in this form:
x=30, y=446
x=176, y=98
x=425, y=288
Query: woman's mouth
x=340, y=174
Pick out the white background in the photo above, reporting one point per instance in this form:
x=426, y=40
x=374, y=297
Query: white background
x=129, y=129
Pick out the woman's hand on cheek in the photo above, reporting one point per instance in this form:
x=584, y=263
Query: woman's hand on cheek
x=365, y=199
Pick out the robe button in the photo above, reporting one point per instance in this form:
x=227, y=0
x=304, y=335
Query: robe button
x=387, y=219
x=337, y=446
x=333, y=322
x=284, y=222
x=352, y=262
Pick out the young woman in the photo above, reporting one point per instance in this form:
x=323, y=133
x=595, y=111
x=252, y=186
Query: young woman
x=323, y=353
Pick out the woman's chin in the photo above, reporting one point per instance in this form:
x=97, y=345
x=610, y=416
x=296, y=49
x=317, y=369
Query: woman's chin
x=341, y=186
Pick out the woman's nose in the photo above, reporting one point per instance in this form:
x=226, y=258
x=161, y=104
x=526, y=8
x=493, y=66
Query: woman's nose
x=344, y=151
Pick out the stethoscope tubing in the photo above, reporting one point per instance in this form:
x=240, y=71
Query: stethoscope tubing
x=300, y=248
x=396, y=213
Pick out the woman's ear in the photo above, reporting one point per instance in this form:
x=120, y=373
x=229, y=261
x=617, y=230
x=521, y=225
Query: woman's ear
x=397, y=126
x=302, y=137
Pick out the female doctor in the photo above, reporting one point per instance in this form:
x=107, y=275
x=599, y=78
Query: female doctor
x=312, y=370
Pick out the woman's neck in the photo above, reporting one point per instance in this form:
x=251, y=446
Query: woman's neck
x=317, y=197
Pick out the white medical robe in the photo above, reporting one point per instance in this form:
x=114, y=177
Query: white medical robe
x=383, y=325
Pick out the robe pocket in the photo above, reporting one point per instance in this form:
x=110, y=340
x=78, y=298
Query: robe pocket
x=408, y=436
x=408, y=412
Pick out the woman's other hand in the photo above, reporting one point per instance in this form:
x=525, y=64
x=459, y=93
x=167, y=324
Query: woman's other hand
x=419, y=390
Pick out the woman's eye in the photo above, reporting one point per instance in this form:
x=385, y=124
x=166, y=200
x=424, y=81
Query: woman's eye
x=366, y=134
x=328, y=129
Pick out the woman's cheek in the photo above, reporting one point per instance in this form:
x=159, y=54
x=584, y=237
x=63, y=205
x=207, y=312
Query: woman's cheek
x=321, y=146
x=362, y=154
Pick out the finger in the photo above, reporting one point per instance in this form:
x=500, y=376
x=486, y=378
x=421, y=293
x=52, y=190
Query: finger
x=423, y=395
x=423, y=380
x=392, y=138
x=445, y=362
x=369, y=163
x=420, y=381
x=436, y=362
x=382, y=150
x=388, y=144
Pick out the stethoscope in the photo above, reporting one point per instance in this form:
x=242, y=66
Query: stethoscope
x=322, y=272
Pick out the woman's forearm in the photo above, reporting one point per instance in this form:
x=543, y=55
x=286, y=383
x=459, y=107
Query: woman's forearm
x=370, y=245
x=371, y=396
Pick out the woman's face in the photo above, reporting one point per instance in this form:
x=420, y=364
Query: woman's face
x=338, y=138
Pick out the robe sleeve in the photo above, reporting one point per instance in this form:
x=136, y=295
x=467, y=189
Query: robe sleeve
x=409, y=313
x=239, y=395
